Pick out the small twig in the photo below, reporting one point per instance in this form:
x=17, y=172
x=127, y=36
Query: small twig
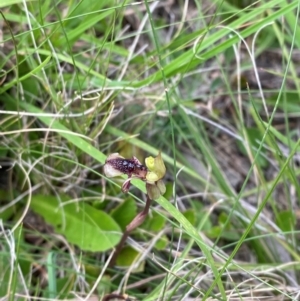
x=137, y=221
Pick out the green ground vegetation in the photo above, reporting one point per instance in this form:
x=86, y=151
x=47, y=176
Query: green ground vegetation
x=213, y=85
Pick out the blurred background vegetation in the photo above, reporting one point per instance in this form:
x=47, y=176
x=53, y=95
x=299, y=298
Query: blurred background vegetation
x=213, y=85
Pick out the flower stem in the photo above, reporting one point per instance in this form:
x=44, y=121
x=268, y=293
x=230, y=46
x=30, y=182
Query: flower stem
x=137, y=221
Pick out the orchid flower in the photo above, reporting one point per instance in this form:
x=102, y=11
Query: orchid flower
x=152, y=174
x=156, y=171
x=116, y=165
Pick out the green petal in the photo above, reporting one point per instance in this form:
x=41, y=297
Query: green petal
x=150, y=163
x=156, y=166
x=161, y=186
x=152, y=176
x=152, y=191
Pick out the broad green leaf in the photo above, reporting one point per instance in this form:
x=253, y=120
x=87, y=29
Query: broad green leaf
x=217, y=232
x=125, y=213
x=162, y=243
x=127, y=257
x=190, y=216
x=89, y=228
x=155, y=223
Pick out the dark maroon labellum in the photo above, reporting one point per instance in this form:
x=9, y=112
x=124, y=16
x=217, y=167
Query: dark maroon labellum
x=129, y=167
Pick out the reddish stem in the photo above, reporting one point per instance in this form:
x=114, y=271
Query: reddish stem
x=137, y=221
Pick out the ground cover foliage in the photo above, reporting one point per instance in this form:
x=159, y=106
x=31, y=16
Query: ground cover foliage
x=213, y=85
